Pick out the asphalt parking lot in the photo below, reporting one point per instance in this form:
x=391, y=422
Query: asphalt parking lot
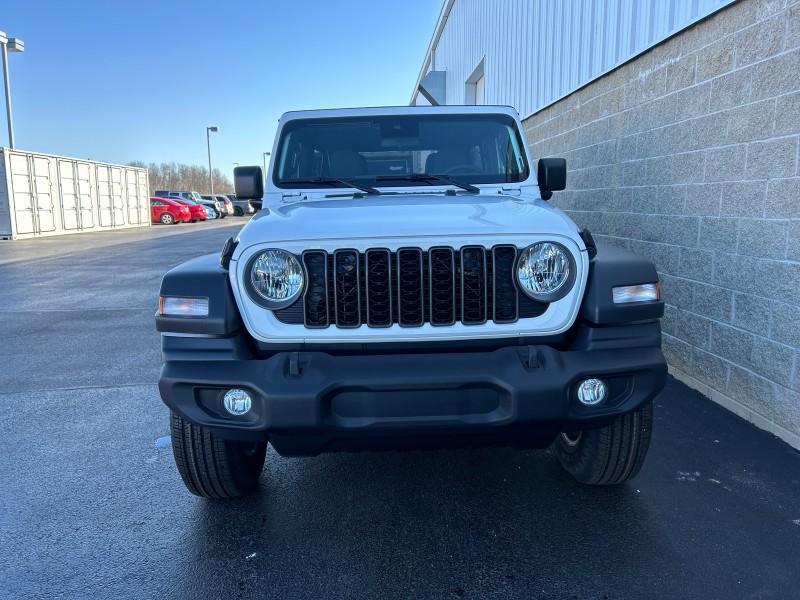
x=91, y=504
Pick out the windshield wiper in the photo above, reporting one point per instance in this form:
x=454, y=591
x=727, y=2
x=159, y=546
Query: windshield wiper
x=330, y=181
x=430, y=180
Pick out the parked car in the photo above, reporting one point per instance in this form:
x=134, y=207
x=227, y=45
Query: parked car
x=241, y=207
x=411, y=288
x=215, y=203
x=168, y=212
x=179, y=194
x=197, y=211
x=229, y=210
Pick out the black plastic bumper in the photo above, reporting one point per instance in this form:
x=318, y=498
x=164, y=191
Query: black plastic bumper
x=310, y=402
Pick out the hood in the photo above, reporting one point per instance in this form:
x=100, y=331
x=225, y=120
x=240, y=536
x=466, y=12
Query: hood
x=413, y=215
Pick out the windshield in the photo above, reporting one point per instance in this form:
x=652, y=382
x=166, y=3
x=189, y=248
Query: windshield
x=396, y=150
x=196, y=196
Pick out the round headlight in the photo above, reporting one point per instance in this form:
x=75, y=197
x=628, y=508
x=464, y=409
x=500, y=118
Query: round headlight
x=276, y=276
x=545, y=271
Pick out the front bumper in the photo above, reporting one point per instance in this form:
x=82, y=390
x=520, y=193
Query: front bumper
x=309, y=402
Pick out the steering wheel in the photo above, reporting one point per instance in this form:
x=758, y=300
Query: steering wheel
x=465, y=168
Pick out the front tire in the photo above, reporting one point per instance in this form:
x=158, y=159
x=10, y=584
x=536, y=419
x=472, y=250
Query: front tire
x=609, y=455
x=238, y=212
x=167, y=219
x=212, y=467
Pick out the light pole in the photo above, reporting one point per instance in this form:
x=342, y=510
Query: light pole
x=7, y=45
x=209, y=131
x=266, y=154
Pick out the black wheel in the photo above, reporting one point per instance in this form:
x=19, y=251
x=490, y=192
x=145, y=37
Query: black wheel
x=238, y=212
x=212, y=467
x=610, y=455
x=194, y=220
x=167, y=219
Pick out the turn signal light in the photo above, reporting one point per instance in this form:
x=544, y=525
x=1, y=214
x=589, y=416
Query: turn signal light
x=645, y=292
x=174, y=306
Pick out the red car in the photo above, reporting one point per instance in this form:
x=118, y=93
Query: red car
x=167, y=211
x=197, y=211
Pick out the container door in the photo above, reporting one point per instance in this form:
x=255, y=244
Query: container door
x=85, y=199
x=117, y=196
x=132, y=196
x=70, y=209
x=144, y=197
x=22, y=195
x=106, y=210
x=43, y=193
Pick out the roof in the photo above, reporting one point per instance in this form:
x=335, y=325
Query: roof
x=453, y=109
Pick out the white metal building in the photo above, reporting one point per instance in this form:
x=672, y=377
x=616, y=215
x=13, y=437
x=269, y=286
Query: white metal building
x=484, y=52
x=680, y=124
x=44, y=194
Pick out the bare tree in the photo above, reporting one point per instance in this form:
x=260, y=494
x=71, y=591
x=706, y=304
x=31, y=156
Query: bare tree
x=174, y=176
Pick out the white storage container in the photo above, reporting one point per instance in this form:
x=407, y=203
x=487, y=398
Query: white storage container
x=44, y=194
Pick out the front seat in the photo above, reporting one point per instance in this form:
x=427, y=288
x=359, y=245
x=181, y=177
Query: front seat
x=439, y=162
x=346, y=163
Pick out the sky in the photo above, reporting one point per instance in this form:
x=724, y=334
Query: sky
x=124, y=80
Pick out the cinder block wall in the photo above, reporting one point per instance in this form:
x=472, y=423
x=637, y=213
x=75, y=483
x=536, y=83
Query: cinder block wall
x=688, y=154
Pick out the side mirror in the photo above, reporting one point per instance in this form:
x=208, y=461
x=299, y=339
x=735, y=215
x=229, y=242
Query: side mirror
x=552, y=176
x=248, y=183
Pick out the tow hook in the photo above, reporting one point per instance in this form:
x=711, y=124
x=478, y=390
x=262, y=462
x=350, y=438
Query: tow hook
x=532, y=359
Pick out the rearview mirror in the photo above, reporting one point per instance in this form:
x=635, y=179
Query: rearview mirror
x=248, y=183
x=552, y=176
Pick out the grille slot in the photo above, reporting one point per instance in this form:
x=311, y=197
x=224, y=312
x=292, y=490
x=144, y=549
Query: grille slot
x=315, y=300
x=378, y=283
x=442, y=276
x=410, y=287
x=505, y=305
x=347, y=299
x=473, y=285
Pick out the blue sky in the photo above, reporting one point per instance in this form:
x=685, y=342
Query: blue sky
x=121, y=80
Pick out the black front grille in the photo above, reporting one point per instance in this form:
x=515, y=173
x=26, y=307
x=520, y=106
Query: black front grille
x=410, y=287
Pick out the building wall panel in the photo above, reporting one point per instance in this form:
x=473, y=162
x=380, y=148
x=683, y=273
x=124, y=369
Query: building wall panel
x=536, y=51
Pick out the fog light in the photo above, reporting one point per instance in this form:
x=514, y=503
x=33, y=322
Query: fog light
x=592, y=391
x=237, y=402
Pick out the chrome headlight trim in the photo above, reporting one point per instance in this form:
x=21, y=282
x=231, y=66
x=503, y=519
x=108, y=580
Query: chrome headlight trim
x=566, y=284
x=253, y=285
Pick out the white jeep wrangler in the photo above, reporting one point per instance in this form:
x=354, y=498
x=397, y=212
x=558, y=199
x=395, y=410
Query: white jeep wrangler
x=407, y=285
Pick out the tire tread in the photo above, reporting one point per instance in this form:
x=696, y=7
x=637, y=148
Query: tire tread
x=612, y=454
x=209, y=466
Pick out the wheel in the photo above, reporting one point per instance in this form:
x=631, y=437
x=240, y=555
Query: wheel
x=212, y=467
x=609, y=455
x=167, y=219
x=238, y=212
x=194, y=220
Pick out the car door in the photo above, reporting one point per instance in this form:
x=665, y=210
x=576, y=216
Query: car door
x=157, y=208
